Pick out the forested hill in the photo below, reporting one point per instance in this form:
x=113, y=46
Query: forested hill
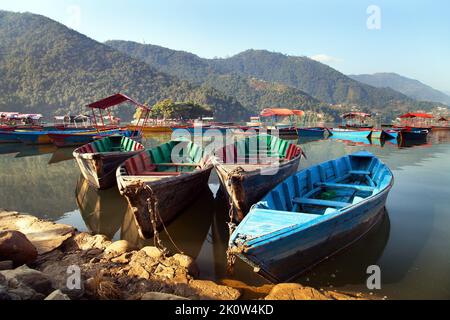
x=410, y=87
x=48, y=68
x=312, y=78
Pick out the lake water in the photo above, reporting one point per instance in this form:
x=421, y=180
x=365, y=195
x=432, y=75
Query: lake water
x=411, y=246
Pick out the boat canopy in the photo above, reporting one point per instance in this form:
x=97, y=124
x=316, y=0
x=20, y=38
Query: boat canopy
x=351, y=115
x=30, y=116
x=115, y=100
x=442, y=119
x=272, y=112
x=411, y=115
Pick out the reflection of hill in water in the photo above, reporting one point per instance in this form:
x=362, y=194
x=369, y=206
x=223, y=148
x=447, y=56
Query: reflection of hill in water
x=29, y=184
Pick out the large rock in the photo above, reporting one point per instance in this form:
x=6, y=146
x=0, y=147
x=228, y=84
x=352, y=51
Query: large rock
x=161, y=296
x=84, y=241
x=152, y=252
x=119, y=247
x=15, y=246
x=44, y=235
x=186, y=262
x=57, y=295
x=30, y=278
x=294, y=291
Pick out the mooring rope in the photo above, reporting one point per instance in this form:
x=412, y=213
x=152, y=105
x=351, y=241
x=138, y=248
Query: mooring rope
x=231, y=255
x=154, y=216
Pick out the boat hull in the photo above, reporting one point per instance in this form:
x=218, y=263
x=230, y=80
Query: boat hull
x=413, y=135
x=8, y=137
x=100, y=169
x=293, y=255
x=311, y=132
x=348, y=134
x=252, y=186
x=169, y=197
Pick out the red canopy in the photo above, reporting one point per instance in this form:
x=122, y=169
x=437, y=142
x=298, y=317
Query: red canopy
x=356, y=115
x=277, y=112
x=115, y=100
x=417, y=115
x=299, y=113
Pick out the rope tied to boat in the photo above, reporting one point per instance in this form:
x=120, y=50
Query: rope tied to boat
x=154, y=217
x=236, y=175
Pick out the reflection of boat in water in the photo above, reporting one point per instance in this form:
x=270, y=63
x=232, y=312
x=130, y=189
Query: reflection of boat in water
x=61, y=154
x=102, y=211
x=188, y=231
x=350, y=267
x=352, y=140
x=36, y=150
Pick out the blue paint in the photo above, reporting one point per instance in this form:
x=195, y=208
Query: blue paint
x=345, y=134
x=313, y=214
x=311, y=132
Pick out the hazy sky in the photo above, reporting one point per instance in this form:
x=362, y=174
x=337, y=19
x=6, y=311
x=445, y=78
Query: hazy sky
x=407, y=37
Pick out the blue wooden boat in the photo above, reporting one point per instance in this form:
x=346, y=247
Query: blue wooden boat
x=311, y=132
x=42, y=137
x=8, y=137
x=313, y=215
x=64, y=139
x=346, y=134
x=413, y=134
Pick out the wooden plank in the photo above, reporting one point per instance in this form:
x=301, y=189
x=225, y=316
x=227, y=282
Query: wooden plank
x=322, y=203
x=346, y=186
x=360, y=172
x=176, y=164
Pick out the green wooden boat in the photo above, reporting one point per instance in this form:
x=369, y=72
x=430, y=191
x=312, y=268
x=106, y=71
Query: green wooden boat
x=99, y=160
x=159, y=189
x=251, y=167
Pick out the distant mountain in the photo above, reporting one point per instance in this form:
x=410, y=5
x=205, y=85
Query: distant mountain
x=252, y=93
x=48, y=68
x=311, y=77
x=410, y=87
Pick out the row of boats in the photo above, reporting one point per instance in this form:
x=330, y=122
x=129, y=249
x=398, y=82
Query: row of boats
x=283, y=221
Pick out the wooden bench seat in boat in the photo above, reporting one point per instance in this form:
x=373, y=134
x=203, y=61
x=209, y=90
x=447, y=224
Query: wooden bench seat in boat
x=346, y=186
x=320, y=202
x=360, y=172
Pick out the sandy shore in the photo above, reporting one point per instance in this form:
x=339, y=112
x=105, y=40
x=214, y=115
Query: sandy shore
x=44, y=260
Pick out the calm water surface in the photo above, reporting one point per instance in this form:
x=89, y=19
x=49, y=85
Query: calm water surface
x=412, y=245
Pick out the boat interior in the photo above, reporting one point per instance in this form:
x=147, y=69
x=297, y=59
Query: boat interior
x=158, y=161
x=316, y=192
x=255, y=151
x=112, y=144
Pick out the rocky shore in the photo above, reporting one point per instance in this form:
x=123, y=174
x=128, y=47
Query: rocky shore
x=41, y=260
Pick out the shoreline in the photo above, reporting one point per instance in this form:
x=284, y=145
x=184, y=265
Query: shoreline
x=68, y=264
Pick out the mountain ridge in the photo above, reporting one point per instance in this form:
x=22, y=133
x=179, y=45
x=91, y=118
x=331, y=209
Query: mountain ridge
x=49, y=68
x=408, y=86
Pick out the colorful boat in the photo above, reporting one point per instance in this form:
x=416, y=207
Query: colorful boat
x=383, y=135
x=344, y=134
x=413, y=134
x=42, y=137
x=8, y=137
x=252, y=166
x=356, y=120
x=159, y=189
x=65, y=139
x=98, y=161
x=150, y=128
x=311, y=132
x=313, y=215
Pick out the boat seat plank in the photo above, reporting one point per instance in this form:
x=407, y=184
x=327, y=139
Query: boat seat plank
x=346, y=186
x=158, y=174
x=360, y=172
x=319, y=202
x=177, y=164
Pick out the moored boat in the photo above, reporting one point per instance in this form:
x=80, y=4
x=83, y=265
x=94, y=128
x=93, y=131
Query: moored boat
x=157, y=188
x=413, y=134
x=252, y=166
x=99, y=160
x=73, y=139
x=313, y=215
x=311, y=132
x=343, y=134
